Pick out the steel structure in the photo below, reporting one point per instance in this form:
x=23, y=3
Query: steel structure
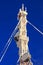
x=22, y=39
x=20, y=36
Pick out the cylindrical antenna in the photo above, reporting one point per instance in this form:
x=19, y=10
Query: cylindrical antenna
x=26, y=9
x=22, y=7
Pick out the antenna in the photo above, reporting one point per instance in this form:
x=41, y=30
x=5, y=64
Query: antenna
x=21, y=38
x=26, y=9
x=22, y=7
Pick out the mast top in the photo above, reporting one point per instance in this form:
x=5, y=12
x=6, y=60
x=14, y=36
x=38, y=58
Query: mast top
x=22, y=11
x=22, y=7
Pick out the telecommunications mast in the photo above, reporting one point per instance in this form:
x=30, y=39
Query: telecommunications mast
x=20, y=36
x=22, y=39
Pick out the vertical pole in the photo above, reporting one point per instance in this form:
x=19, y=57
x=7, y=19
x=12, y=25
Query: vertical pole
x=25, y=57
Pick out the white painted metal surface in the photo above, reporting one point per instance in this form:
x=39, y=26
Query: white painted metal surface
x=23, y=40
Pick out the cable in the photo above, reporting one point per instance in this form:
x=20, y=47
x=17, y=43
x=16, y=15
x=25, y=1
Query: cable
x=5, y=49
x=36, y=28
x=11, y=37
x=9, y=42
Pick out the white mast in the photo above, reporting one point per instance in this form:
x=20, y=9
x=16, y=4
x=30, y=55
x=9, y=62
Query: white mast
x=22, y=39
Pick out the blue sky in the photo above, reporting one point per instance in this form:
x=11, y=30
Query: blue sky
x=8, y=20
